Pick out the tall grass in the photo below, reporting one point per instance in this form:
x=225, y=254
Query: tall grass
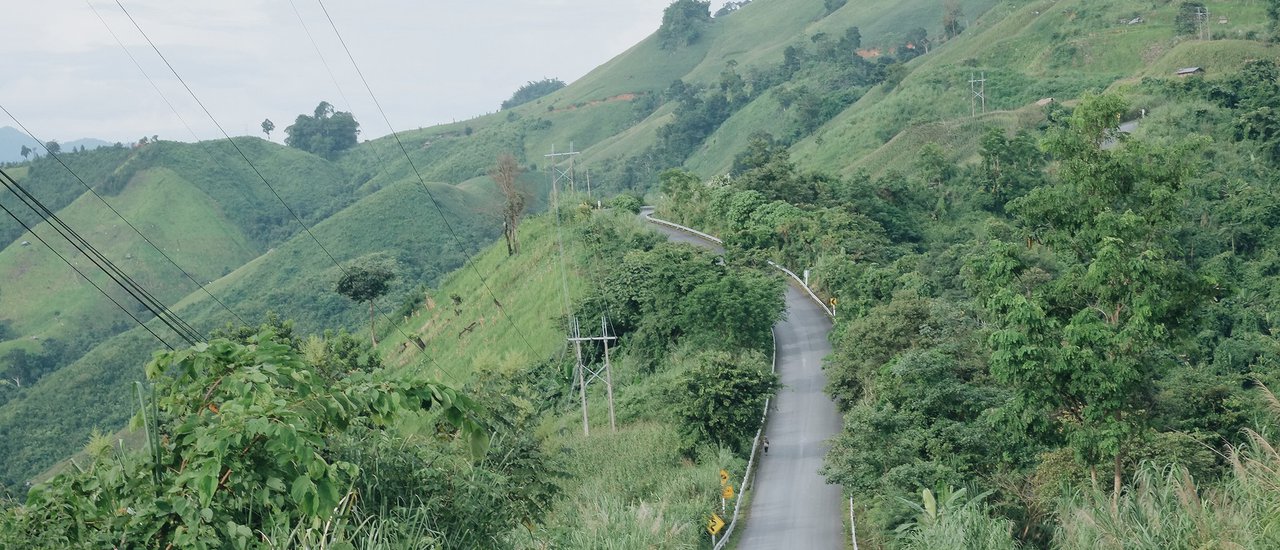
x=952, y=521
x=633, y=489
x=1165, y=508
x=402, y=530
x=609, y=522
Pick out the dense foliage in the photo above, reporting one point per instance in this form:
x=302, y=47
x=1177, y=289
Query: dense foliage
x=683, y=22
x=816, y=80
x=1076, y=303
x=239, y=444
x=1030, y=301
x=326, y=133
x=532, y=90
x=722, y=399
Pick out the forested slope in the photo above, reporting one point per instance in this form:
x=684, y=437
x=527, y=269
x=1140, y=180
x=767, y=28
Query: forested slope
x=1046, y=327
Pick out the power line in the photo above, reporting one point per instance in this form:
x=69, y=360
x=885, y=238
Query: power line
x=118, y=275
x=225, y=134
x=81, y=273
x=263, y=178
x=114, y=272
x=194, y=138
x=121, y=216
x=334, y=79
x=142, y=70
x=423, y=182
x=126, y=283
x=381, y=166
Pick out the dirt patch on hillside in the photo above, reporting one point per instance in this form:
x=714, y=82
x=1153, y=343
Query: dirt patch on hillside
x=629, y=96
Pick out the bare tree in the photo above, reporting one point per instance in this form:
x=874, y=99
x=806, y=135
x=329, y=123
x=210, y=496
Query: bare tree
x=506, y=174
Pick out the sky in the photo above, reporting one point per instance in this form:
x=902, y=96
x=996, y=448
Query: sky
x=65, y=76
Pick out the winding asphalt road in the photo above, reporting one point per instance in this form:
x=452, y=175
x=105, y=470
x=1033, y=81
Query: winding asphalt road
x=793, y=507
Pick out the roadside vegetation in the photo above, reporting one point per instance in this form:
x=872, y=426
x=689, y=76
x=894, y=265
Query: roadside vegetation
x=266, y=436
x=1054, y=346
x=1051, y=333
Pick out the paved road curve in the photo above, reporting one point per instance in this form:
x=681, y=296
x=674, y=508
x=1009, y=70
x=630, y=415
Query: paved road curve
x=793, y=507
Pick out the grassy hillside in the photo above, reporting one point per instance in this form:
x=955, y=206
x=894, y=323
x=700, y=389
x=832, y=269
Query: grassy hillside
x=1029, y=51
x=887, y=228
x=207, y=210
x=54, y=186
x=199, y=203
x=294, y=280
x=48, y=300
x=472, y=333
x=637, y=481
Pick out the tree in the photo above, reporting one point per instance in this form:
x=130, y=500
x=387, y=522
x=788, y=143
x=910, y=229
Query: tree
x=240, y=444
x=1010, y=167
x=532, y=90
x=1188, y=19
x=267, y=127
x=506, y=174
x=737, y=311
x=366, y=280
x=914, y=43
x=326, y=134
x=1273, y=15
x=53, y=147
x=721, y=399
x=730, y=7
x=951, y=25
x=1253, y=96
x=851, y=41
x=25, y=151
x=1083, y=345
x=683, y=22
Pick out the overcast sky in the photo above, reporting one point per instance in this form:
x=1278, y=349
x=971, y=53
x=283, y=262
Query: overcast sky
x=428, y=61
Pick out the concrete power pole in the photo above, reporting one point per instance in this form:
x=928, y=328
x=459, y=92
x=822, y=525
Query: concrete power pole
x=586, y=374
x=578, y=371
x=978, y=87
x=562, y=171
x=608, y=371
x=1202, y=23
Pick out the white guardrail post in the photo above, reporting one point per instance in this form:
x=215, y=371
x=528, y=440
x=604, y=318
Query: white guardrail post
x=755, y=443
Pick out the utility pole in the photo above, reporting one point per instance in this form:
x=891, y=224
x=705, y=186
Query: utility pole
x=978, y=87
x=1202, y=23
x=608, y=371
x=586, y=374
x=578, y=370
x=561, y=170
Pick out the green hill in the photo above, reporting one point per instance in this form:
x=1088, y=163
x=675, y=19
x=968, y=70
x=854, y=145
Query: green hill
x=854, y=146
x=214, y=217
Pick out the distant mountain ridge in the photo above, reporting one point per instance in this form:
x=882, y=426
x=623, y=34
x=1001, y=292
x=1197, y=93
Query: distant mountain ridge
x=12, y=140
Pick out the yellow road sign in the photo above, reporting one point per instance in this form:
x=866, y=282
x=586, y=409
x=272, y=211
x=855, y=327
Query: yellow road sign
x=727, y=492
x=724, y=477
x=715, y=524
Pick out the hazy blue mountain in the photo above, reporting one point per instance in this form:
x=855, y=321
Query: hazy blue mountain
x=12, y=140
